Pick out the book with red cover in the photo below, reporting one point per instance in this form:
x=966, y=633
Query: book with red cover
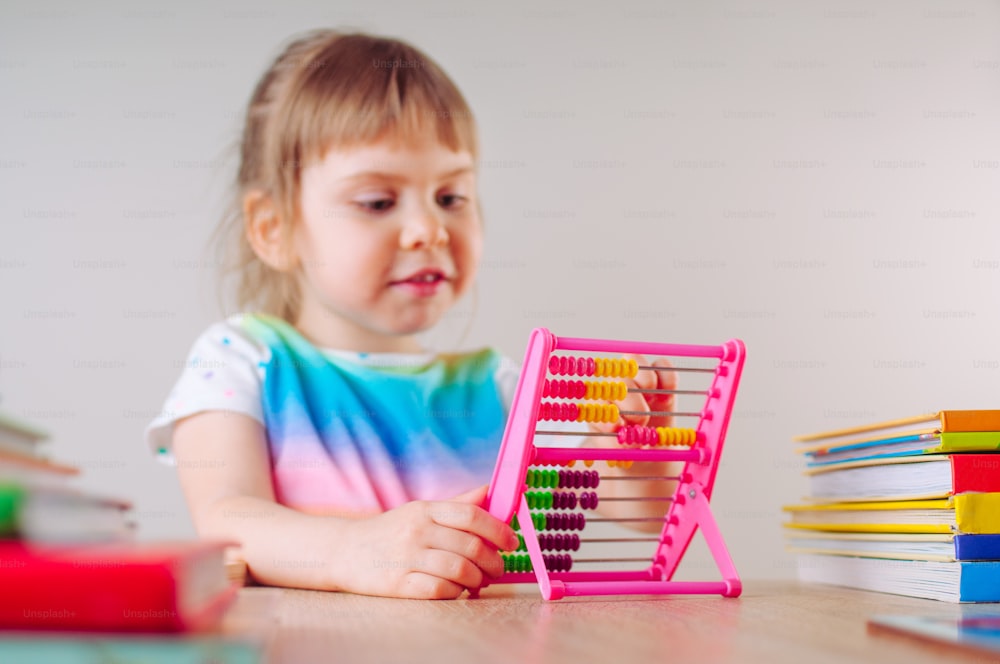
x=906, y=478
x=123, y=586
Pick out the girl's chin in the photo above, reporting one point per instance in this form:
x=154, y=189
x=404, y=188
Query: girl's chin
x=410, y=329
x=415, y=322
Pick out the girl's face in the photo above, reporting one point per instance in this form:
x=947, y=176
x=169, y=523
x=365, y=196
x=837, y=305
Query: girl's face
x=389, y=238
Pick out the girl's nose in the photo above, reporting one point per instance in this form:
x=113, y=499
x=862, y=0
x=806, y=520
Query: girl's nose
x=424, y=229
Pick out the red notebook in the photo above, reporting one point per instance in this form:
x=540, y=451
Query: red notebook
x=124, y=586
x=919, y=477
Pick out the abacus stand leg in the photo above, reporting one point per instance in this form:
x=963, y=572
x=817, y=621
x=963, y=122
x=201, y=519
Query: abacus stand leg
x=695, y=513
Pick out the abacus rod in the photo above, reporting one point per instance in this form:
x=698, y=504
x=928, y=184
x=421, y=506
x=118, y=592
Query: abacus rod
x=651, y=391
x=643, y=478
x=659, y=413
x=693, y=369
x=611, y=560
x=575, y=433
x=666, y=499
x=628, y=519
x=609, y=540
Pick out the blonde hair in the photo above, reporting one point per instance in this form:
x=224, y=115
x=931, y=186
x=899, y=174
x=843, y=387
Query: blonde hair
x=328, y=89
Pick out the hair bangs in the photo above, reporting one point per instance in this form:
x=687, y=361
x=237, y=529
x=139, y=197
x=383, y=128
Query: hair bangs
x=354, y=96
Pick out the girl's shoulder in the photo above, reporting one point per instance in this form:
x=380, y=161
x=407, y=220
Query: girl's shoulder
x=231, y=336
x=222, y=372
x=226, y=346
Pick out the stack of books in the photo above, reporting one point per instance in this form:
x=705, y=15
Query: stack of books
x=909, y=506
x=37, y=500
x=69, y=560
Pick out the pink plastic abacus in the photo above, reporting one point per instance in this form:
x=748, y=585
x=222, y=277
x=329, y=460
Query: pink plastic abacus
x=538, y=486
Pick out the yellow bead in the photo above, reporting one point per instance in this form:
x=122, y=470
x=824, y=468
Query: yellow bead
x=588, y=463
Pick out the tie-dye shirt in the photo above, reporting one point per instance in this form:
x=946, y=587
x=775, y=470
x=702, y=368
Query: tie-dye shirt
x=348, y=432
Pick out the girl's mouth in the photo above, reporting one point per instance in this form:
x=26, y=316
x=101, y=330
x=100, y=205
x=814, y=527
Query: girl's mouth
x=423, y=283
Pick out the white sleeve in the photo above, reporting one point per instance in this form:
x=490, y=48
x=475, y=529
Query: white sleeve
x=223, y=372
x=507, y=374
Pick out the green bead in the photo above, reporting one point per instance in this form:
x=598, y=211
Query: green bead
x=538, y=520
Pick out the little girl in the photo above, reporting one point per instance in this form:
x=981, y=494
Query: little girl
x=317, y=432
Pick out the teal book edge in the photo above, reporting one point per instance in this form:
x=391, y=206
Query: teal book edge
x=974, y=631
x=50, y=649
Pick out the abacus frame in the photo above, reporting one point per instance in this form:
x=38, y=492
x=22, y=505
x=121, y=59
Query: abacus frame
x=689, y=508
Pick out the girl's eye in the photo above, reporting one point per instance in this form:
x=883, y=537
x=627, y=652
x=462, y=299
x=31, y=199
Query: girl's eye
x=451, y=201
x=377, y=204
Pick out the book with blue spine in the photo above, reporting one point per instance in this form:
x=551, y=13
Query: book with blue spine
x=959, y=581
x=900, y=546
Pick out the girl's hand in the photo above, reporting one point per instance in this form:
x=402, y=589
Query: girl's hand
x=653, y=495
x=426, y=550
x=645, y=379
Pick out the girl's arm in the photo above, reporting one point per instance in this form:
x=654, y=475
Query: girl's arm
x=422, y=549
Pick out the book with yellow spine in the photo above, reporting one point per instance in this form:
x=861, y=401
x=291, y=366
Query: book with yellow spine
x=970, y=513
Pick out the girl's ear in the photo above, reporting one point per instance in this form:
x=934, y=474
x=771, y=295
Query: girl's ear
x=265, y=233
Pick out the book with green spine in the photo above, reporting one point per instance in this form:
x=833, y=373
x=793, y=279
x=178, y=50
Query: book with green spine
x=56, y=514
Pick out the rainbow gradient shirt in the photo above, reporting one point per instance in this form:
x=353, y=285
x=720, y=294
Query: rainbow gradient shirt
x=348, y=433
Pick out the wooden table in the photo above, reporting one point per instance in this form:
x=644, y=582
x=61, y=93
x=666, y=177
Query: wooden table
x=772, y=623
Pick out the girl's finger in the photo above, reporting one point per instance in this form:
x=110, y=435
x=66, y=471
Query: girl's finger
x=636, y=402
x=473, y=496
x=472, y=548
x=451, y=567
x=420, y=585
x=472, y=520
x=665, y=380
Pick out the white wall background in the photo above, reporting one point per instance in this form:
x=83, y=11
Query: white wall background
x=820, y=179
